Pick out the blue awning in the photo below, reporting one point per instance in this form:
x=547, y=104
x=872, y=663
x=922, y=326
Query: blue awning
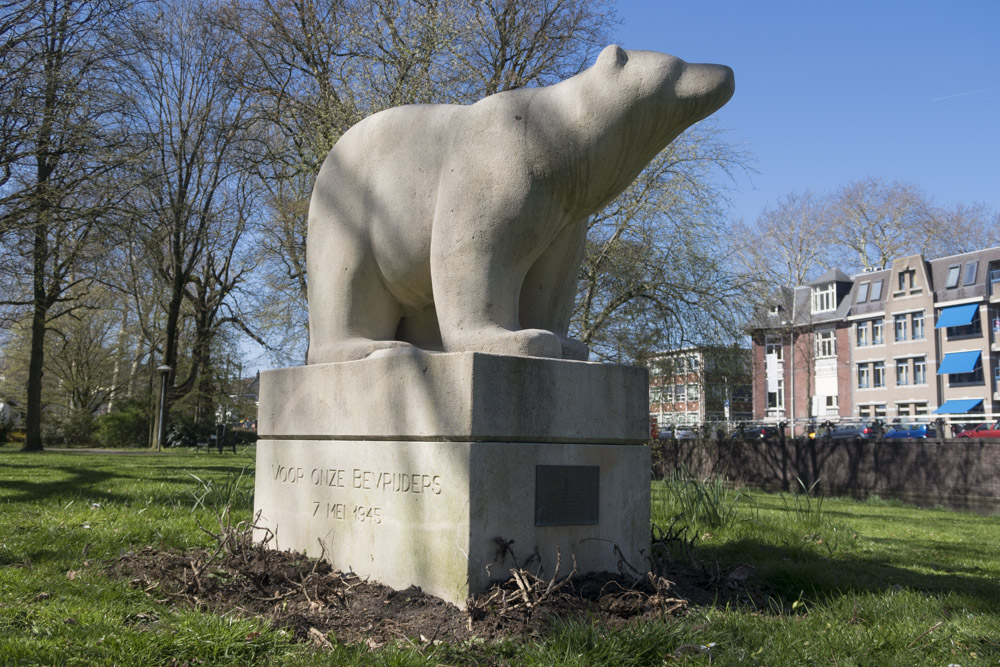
x=957, y=316
x=959, y=362
x=959, y=406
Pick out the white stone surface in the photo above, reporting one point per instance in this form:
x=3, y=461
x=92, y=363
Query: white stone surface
x=428, y=513
x=409, y=394
x=462, y=228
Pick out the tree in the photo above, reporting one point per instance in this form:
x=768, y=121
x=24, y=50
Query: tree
x=787, y=245
x=863, y=225
x=511, y=44
x=191, y=211
x=877, y=221
x=59, y=153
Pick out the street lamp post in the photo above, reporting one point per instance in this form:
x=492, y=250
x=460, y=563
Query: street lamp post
x=160, y=422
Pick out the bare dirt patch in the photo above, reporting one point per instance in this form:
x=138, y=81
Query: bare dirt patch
x=315, y=602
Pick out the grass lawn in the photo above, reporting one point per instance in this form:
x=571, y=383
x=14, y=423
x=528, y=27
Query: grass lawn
x=828, y=581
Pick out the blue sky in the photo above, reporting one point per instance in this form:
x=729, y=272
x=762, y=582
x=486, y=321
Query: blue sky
x=827, y=92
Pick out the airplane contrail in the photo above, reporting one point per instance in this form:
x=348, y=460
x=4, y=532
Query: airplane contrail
x=971, y=92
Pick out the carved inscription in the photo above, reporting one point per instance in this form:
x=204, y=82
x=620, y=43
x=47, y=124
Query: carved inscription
x=359, y=478
x=350, y=479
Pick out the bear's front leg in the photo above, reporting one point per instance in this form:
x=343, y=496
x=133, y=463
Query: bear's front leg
x=549, y=289
x=477, y=269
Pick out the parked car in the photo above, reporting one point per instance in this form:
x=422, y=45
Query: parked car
x=851, y=431
x=982, y=431
x=911, y=430
x=756, y=432
x=676, y=432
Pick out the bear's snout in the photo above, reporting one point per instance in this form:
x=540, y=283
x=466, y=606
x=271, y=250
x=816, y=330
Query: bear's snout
x=705, y=81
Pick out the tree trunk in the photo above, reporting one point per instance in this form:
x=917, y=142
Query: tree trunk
x=33, y=409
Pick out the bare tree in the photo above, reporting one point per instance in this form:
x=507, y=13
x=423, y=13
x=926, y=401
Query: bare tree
x=511, y=44
x=60, y=164
x=787, y=245
x=194, y=123
x=878, y=221
x=964, y=228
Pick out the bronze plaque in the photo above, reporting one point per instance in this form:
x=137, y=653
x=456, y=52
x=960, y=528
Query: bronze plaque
x=567, y=495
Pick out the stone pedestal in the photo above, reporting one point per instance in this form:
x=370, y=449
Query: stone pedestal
x=407, y=467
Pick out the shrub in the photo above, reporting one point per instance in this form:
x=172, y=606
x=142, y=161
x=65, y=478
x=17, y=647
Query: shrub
x=5, y=430
x=68, y=428
x=185, y=433
x=128, y=426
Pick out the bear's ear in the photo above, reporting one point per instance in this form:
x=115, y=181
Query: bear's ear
x=612, y=56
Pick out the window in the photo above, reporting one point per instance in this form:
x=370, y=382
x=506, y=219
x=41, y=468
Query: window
x=880, y=411
x=920, y=370
x=776, y=399
x=864, y=376
x=776, y=349
x=680, y=393
x=973, y=329
x=973, y=377
x=692, y=392
x=877, y=327
x=878, y=374
x=906, y=279
x=903, y=409
x=917, y=325
x=902, y=372
x=900, y=326
x=655, y=394
x=824, y=298
x=776, y=310
x=954, y=271
x=863, y=292
x=825, y=346
x=692, y=363
x=865, y=411
x=970, y=273
x=862, y=334
x=876, y=291
x=919, y=409
x=830, y=407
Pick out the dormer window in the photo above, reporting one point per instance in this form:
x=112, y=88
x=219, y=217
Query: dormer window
x=824, y=298
x=776, y=309
x=876, y=290
x=863, y=292
x=970, y=273
x=954, y=271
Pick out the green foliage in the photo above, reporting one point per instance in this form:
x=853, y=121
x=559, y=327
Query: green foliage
x=5, y=430
x=698, y=505
x=808, y=506
x=220, y=497
x=128, y=426
x=70, y=428
x=187, y=433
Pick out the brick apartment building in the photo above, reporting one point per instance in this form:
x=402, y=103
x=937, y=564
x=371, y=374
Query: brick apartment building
x=918, y=338
x=700, y=385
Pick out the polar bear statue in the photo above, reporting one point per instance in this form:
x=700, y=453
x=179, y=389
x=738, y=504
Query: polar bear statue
x=462, y=228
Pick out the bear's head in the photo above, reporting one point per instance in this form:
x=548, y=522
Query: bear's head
x=674, y=92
